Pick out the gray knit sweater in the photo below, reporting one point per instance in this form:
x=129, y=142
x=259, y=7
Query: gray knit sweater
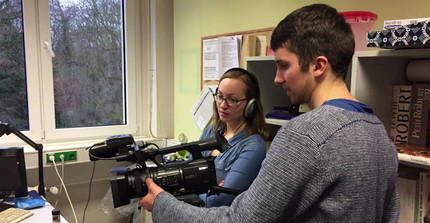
x=328, y=165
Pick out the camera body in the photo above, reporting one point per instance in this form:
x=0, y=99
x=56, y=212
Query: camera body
x=194, y=176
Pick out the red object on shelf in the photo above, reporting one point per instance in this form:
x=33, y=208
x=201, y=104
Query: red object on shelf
x=361, y=22
x=269, y=51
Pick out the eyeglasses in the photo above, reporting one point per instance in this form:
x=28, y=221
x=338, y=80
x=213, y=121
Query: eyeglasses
x=230, y=101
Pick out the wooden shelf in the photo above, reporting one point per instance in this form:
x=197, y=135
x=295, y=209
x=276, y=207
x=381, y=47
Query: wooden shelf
x=416, y=161
x=261, y=58
x=274, y=121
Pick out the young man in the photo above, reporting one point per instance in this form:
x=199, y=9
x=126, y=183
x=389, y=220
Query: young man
x=332, y=164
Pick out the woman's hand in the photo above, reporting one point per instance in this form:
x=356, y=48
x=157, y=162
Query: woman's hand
x=215, y=152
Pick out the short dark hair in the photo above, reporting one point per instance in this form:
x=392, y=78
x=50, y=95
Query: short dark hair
x=316, y=30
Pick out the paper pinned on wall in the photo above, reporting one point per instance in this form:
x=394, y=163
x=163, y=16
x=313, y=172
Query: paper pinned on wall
x=219, y=55
x=260, y=46
x=210, y=59
x=202, y=109
x=229, y=52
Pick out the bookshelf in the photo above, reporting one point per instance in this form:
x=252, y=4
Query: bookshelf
x=272, y=95
x=264, y=68
x=373, y=74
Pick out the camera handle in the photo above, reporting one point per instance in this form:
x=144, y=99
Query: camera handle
x=217, y=190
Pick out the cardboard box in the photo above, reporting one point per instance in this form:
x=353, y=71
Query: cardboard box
x=391, y=24
x=410, y=36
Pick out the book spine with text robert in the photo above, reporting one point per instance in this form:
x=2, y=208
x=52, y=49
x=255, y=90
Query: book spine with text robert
x=400, y=113
x=419, y=114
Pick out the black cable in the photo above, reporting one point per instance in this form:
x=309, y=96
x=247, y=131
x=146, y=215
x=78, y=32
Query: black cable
x=6, y=196
x=96, y=157
x=89, y=192
x=101, y=158
x=152, y=144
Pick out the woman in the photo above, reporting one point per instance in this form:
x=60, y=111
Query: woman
x=239, y=118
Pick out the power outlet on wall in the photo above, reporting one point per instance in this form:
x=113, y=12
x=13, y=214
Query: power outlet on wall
x=68, y=156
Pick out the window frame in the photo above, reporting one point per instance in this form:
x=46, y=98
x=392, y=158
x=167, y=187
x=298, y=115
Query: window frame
x=40, y=86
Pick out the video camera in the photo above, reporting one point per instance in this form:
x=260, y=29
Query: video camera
x=180, y=178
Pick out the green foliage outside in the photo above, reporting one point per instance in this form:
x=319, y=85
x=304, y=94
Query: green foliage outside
x=87, y=40
x=13, y=90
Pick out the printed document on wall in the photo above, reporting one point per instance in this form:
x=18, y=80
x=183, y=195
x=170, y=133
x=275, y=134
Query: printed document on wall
x=202, y=109
x=210, y=59
x=229, y=51
x=219, y=55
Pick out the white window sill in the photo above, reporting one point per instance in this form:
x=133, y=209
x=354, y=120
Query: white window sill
x=31, y=155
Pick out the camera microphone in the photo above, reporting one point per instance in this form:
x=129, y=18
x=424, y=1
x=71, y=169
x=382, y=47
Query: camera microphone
x=111, y=147
x=119, y=141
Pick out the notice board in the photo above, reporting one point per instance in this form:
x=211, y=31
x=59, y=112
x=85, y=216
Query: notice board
x=220, y=52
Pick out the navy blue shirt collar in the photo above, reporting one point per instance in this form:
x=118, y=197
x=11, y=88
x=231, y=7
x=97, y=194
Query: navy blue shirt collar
x=349, y=105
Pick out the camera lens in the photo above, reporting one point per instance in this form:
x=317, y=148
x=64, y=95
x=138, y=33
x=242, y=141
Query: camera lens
x=193, y=177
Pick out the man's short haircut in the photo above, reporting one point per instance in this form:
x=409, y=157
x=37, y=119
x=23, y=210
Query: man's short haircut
x=316, y=30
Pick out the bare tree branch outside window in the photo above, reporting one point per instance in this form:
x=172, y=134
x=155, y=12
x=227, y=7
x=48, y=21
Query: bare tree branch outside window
x=13, y=90
x=88, y=66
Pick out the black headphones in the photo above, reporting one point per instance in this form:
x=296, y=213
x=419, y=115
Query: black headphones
x=250, y=108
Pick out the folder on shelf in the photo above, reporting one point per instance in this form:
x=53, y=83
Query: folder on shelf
x=202, y=109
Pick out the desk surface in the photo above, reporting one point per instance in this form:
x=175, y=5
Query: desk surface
x=42, y=215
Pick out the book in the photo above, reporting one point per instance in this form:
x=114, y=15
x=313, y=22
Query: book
x=408, y=196
x=400, y=113
x=419, y=114
x=424, y=197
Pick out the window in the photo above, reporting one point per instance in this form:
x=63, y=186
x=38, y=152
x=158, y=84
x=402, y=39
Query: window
x=13, y=93
x=66, y=70
x=88, y=70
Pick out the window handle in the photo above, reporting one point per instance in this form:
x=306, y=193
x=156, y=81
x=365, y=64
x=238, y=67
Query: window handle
x=49, y=49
